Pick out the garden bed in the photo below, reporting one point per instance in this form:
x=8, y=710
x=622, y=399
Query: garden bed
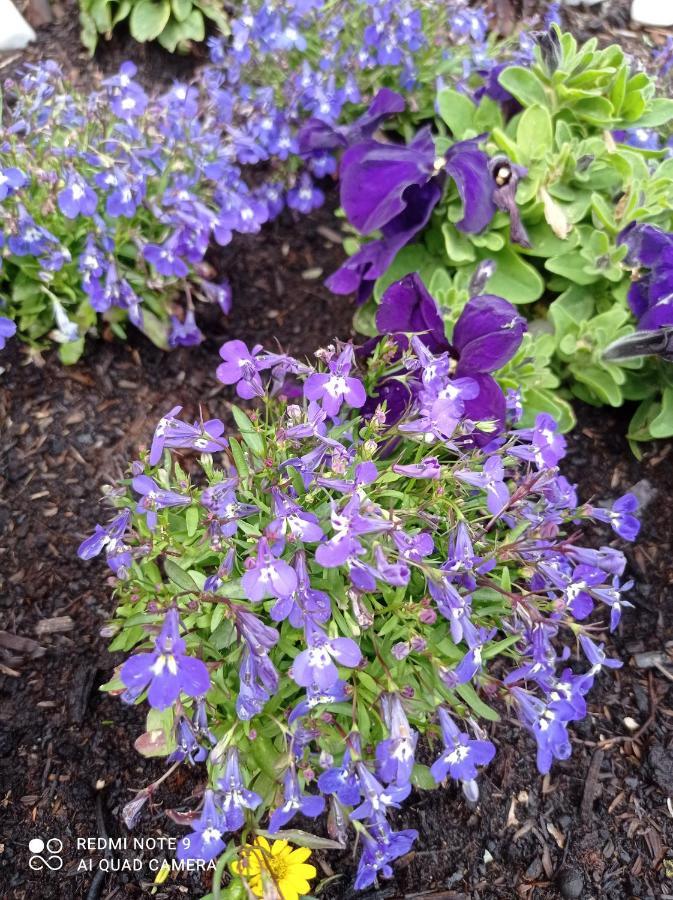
x=600, y=818
x=597, y=826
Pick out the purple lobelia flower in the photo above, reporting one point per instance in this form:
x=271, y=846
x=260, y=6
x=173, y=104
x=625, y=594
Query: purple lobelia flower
x=342, y=780
x=11, y=179
x=650, y=296
x=596, y=655
x=292, y=520
x=155, y=498
x=314, y=667
x=377, y=798
x=545, y=446
x=430, y=467
x=240, y=368
x=337, y=386
x=305, y=603
x=491, y=480
x=348, y=525
x=77, y=198
x=165, y=259
x=205, y=841
x=296, y=801
x=546, y=725
x=167, y=670
x=621, y=517
x=268, y=577
x=7, y=330
x=461, y=754
x=235, y=797
x=188, y=746
x=395, y=755
x=110, y=538
x=185, y=333
x=379, y=851
x=171, y=432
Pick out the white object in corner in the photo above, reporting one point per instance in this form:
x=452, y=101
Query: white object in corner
x=658, y=13
x=15, y=32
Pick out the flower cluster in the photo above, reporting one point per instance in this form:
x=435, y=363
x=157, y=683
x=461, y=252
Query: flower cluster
x=377, y=557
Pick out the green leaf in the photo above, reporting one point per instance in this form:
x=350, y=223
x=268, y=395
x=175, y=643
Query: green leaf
x=303, y=838
x=181, y=9
x=249, y=433
x=192, y=520
x=421, y=777
x=662, y=425
x=534, y=133
x=178, y=576
x=69, y=353
x=659, y=113
x=474, y=701
x=239, y=459
x=457, y=110
x=148, y=19
x=175, y=33
x=524, y=85
x=514, y=278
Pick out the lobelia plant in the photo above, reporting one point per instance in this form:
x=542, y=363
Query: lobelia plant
x=377, y=557
x=560, y=160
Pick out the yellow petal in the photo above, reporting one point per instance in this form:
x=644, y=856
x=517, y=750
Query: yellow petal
x=299, y=855
x=302, y=870
x=262, y=842
x=278, y=847
x=288, y=890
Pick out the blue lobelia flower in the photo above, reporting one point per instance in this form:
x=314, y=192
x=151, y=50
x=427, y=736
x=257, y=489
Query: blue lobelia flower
x=168, y=670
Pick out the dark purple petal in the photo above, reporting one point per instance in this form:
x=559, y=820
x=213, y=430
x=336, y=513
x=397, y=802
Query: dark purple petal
x=468, y=166
x=487, y=334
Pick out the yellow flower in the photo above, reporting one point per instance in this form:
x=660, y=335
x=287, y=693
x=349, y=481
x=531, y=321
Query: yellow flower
x=279, y=866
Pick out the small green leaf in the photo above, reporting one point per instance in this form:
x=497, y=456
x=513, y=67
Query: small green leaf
x=303, y=838
x=239, y=459
x=192, y=520
x=249, y=432
x=149, y=18
x=662, y=425
x=69, y=353
x=457, y=110
x=534, y=132
x=514, y=278
x=474, y=701
x=181, y=9
x=524, y=85
x=178, y=576
x=421, y=777
x=660, y=112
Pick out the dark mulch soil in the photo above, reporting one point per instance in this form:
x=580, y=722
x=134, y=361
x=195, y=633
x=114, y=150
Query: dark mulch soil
x=597, y=827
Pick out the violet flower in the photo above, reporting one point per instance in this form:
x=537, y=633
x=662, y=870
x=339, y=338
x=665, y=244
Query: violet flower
x=314, y=666
x=110, y=538
x=296, y=801
x=395, y=755
x=235, y=797
x=205, y=841
x=650, y=296
x=171, y=432
x=461, y=754
x=7, y=330
x=155, y=498
x=317, y=135
x=491, y=480
x=621, y=517
x=268, y=577
x=239, y=368
x=336, y=387
x=168, y=670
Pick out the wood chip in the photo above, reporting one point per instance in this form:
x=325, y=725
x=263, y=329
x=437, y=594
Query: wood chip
x=56, y=625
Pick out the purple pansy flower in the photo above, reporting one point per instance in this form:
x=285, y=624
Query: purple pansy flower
x=650, y=296
x=316, y=135
x=167, y=670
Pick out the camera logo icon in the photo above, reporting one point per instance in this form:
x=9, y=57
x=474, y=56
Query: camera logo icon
x=51, y=859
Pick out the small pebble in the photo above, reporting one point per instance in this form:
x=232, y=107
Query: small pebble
x=570, y=883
